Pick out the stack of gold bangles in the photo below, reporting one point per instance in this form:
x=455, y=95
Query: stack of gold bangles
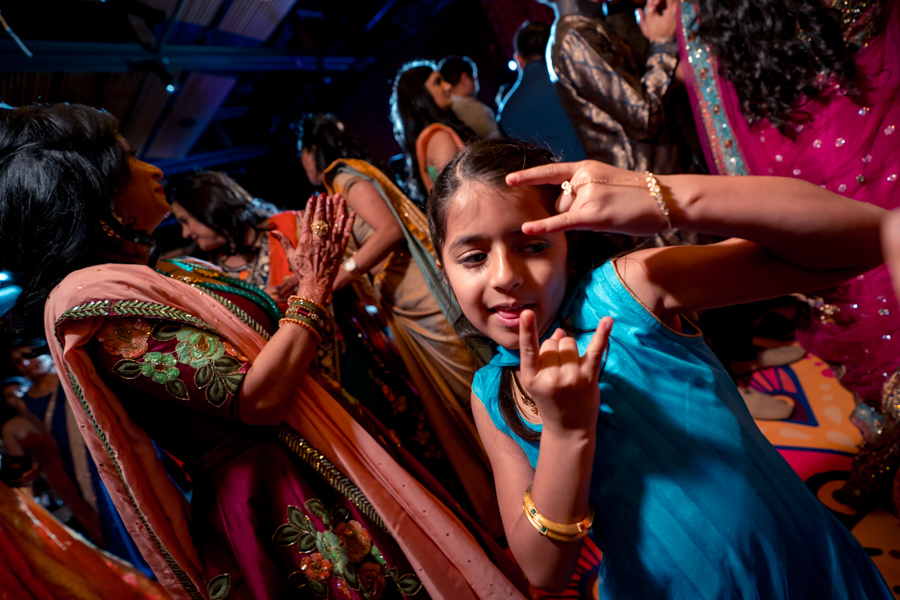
x=308, y=314
x=561, y=532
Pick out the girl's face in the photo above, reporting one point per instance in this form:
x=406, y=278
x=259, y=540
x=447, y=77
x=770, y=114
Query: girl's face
x=206, y=238
x=495, y=270
x=439, y=90
x=142, y=204
x=308, y=160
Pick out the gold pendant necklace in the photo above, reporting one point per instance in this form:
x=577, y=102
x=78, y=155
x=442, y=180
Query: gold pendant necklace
x=525, y=399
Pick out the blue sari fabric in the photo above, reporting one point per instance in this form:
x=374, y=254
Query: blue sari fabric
x=691, y=501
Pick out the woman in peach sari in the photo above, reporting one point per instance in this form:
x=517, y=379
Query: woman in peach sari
x=289, y=491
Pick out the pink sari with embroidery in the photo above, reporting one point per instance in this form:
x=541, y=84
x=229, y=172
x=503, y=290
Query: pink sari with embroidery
x=446, y=558
x=851, y=146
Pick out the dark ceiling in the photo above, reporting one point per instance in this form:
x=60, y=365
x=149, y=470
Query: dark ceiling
x=220, y=83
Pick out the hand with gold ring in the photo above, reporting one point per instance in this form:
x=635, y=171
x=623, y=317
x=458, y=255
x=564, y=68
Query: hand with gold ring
x=600, y=197
x=323, y=230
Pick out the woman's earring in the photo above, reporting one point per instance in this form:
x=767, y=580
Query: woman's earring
x=109, y=230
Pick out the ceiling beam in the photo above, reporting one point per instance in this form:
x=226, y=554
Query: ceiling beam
x=91, y=57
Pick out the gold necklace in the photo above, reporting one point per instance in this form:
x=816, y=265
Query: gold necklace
x=525, y=399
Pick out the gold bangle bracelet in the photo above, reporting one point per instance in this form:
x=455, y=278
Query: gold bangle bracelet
x=312, y=331
x=656, y=194
x=312, y=304
x=313, y=315
x=320, y=328
x=561, y=532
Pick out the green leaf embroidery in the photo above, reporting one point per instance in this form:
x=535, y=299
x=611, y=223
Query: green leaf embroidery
x=233, y=382
x=297, y=518
x=306, y=543
x=165, y=332
x=127, y=369
x=227, y=364
x=219, y=587
x=376, y=554
x=350, y=577
x=318, y=587
x=316, y=507
x=216, y=393
x=340, y=513
x=203, y=376
x=409, y=585
x=177, y=388
x=286, y=535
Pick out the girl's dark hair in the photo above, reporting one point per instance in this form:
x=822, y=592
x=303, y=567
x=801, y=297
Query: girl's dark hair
x=220, y=203
x=324, y=135
x=488, y=162
x=60, y=169
x=412, y=110
x=775, y=52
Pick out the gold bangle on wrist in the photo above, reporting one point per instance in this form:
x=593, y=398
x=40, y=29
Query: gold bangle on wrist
x=561, y=532
x=306, y=302
x=656, y=194
x=311, y=329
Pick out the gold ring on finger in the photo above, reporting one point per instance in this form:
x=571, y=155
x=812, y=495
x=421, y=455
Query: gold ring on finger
x=319, y=228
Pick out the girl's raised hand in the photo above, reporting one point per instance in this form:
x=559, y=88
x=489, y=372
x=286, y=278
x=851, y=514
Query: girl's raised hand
x=600, y=198
x=562, y=383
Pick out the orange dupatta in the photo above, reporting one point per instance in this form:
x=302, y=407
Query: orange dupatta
x=445, y=556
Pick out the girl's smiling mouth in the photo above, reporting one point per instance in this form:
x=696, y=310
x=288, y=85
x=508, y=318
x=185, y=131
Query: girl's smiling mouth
x=509, y=314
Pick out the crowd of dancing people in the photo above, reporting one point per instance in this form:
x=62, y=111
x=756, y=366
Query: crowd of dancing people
x=490, y=372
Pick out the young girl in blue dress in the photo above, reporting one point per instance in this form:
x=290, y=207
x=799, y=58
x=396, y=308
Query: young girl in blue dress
x=633, y=434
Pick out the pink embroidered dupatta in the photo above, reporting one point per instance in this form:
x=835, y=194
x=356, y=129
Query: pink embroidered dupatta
x=446, y=558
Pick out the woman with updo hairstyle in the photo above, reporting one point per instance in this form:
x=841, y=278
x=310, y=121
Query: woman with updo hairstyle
x=390, y=254
x=426, y=128
x=811, y=90
x=289, y=491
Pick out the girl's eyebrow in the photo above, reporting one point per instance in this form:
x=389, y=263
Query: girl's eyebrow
x=475, y=238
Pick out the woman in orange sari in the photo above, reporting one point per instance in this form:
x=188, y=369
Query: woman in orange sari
x=290, y=492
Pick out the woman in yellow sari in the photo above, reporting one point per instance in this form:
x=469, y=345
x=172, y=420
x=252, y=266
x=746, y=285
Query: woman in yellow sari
x=391, y=252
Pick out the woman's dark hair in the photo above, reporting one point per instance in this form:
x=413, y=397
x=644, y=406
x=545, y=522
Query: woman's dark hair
x=412, y=110
x=220, y=203
x=60, y=169
x=324, y=135
x=775, y=52
x=488, y=162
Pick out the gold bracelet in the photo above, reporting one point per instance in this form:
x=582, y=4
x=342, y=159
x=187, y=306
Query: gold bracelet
x=561, y=532
x=656, y=194
x=312, y=304
x=319, y=327
x=312, y=330
x=313, y=315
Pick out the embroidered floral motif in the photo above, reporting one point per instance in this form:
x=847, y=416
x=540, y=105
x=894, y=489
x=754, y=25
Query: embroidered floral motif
x=124, y=337
x=217, y=374
x=159, y=367
x=355, y=539
x=341, y=558
x=197, y=348
x=315, y=567
x=372, y=579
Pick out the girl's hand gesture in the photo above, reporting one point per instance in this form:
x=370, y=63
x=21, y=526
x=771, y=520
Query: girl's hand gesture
x=601, y=198
x=323, y=231
x=562, y=383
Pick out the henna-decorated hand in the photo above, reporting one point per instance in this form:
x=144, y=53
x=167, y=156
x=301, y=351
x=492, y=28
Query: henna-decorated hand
x=323, y=231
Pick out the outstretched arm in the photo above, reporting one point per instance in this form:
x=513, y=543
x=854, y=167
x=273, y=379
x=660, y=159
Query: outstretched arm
x=795, y=236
